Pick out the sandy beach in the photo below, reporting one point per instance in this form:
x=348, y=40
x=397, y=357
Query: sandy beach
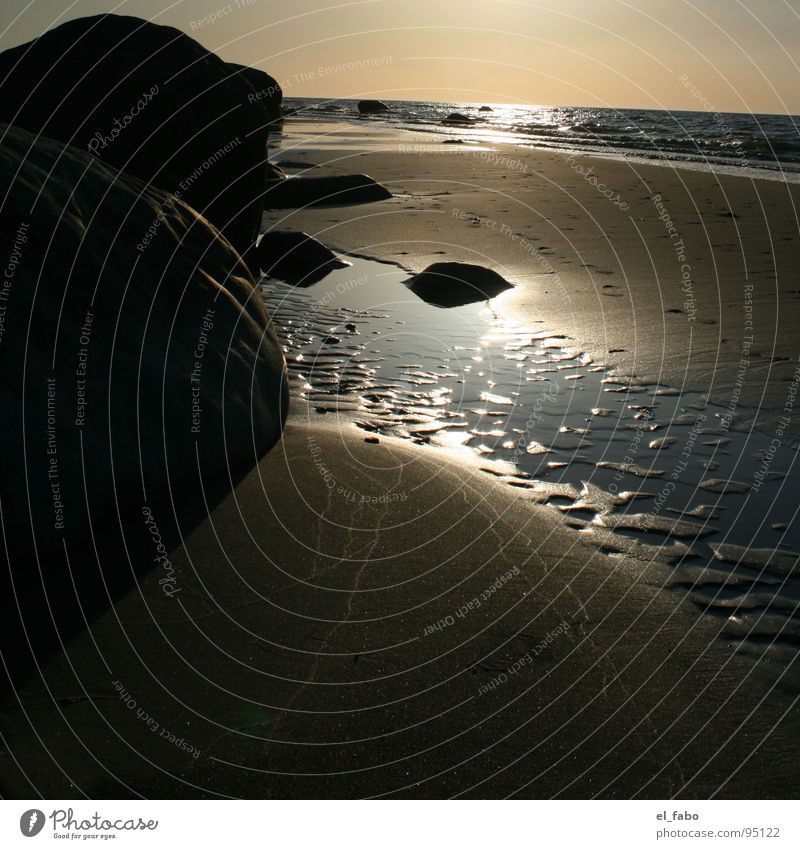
x=416, y=630
x=400, y=601
x=671, y=274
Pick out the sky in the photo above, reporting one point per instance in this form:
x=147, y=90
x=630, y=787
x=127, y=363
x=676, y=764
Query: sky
x=718, y=55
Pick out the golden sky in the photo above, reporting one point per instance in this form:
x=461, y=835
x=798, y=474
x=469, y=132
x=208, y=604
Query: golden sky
x=738, y=55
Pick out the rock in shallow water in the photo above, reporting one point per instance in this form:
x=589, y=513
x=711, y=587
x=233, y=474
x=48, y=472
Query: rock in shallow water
x=135, y=353
x=295, y=257
x=151, y=101
x=458, y=118
x=372, y=107
x=273, y=174
x=297, y=192
x=453, y=284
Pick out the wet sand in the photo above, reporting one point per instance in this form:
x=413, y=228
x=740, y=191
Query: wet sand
x=365, y=616
x=697, y=289
x=637, y=470
x=361, y=619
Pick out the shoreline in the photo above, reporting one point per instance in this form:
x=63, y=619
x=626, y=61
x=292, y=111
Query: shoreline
x=787, y=173
x=576, y=257
x=656, y=469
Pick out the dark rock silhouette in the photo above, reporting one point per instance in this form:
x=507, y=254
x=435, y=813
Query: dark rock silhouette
x=453, y=284
x=273, y=174
x=135, y=350
x=267, y=91
x=458, y=118
x=486, y=109
x=295, y=257
x=297, y=192
x=372, y=107
x=302, y=164
x=151, y=101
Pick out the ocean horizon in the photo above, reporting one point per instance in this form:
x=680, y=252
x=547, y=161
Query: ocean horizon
x=766, y=145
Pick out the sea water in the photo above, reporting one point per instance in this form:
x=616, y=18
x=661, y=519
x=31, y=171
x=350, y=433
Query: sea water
x=766, y=145
x=636, y=470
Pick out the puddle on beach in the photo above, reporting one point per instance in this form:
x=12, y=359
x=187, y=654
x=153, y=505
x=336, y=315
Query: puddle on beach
x=638, y=471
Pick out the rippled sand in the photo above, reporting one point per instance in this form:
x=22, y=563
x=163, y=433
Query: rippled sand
x=626, y=460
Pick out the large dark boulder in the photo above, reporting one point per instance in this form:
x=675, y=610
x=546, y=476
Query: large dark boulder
x=453, y=284
x=135, y=352
x=151, y=101
x=372, y=107
x=296, y=257
x=298, y=192
x=267, y=91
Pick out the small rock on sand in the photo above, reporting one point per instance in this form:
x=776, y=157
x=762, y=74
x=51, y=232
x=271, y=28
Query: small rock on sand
x=372, y=107
x=338, y=190
x=458, y=118
x=453, y=284
x=295, y=257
